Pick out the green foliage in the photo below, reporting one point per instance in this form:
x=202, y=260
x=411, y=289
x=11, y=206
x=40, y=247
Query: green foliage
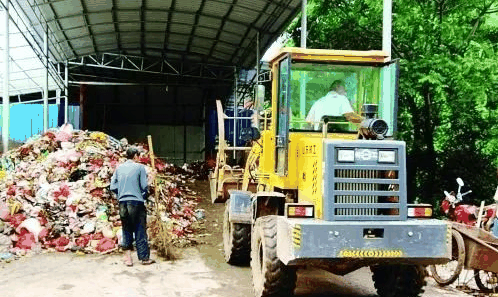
x=448, y=84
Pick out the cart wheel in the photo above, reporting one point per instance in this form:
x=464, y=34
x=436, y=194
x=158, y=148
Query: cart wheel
x=486, y=281
x=446, y=274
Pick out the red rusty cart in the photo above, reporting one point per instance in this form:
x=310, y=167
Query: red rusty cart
x=474, y=249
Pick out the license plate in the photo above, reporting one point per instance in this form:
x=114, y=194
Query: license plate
x=370, y=254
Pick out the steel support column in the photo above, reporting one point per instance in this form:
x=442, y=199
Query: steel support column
x=304, y=24
x=303, y=77
x=386, y=27
x=66, y=93
x=256, y=93
x=45, y=85
x=235, y=113
x=6, y=99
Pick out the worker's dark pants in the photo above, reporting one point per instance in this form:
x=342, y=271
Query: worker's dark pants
x=134, y=219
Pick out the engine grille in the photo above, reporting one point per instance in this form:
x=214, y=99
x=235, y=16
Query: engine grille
x=339, y=199
x=364, y=189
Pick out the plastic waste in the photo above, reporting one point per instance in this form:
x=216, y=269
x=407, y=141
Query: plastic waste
x=6, y=256
x=200, y=214
x=89, y=227
x=101, y=212
x=5, y=243
x=32, y=225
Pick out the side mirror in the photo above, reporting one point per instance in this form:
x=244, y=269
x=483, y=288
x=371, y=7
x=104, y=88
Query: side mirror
x=260, y=97
x=460, y=182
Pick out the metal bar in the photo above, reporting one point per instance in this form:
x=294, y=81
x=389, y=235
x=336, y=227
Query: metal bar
x=131, y=62
x=168, y=25
x=34, y=101
x=367, y=180
x=85, y=14
x=45, y=86
x=196, y=21
x=148, y=22
x=66, y=92
x=239, y=46
x=356, y=206
x=231, y=148
x=256, y=95
x=366, y=193
x=173, y=68
x=104, y=83
x=142, y=28
x=40, y=23
x=223, y=21
x=115, y=23
x=85, y=18
x=145, y=71
x=155, y=49
x=265, y=27
x=62, y=30
x=58, y=98
x=283, y=25
x=39, y=52
x=240, y=5
x=304, y=24
x=239, y=118
x=386, y=27
x=6, y=94
x=235, y=111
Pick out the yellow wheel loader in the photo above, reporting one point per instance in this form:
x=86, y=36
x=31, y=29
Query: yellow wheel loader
x=324, y=184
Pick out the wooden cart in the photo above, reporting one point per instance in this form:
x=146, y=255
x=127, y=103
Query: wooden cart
x=474, y=249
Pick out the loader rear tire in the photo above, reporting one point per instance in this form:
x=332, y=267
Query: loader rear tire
x=399, y=280
x=270, y=276
x=236, y=240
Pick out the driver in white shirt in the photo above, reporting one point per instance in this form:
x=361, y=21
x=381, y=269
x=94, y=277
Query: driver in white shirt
x=335, y=103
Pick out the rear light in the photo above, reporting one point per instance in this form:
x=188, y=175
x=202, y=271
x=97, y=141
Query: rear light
x=419, y=210
x=300, y=210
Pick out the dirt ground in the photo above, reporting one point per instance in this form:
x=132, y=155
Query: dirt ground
x=201, y=271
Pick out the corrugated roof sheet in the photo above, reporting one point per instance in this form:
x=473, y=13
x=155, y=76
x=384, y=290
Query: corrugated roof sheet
x=213, y=31
x=226, y=23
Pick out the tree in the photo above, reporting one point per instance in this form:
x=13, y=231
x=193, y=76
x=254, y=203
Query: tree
x=448, y=92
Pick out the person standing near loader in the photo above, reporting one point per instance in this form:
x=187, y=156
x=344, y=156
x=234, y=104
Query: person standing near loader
x=129, y=183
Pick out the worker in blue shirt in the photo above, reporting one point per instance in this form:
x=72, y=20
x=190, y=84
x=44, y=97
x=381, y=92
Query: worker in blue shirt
x=129, y=182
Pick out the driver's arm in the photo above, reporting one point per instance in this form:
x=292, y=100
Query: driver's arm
x=353, y=117
x=311, y=115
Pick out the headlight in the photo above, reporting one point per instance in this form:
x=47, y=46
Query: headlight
x=387, y=157
x=345, y=155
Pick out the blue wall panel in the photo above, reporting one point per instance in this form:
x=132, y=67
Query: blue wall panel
x=26, y=120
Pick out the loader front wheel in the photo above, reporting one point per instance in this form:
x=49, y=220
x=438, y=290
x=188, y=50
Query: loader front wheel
x=399, y=280
x=270, y=276
x=236, y=240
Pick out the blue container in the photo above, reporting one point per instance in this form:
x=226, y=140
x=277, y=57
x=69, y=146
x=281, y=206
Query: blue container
x=241, y=124
x=212, y=130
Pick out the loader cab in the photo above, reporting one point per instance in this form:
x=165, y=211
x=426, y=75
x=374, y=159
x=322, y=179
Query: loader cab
x=304, y=93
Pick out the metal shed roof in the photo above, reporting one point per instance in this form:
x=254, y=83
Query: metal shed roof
x=212, y=31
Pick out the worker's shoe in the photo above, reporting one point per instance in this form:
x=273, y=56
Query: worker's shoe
x=148, y=262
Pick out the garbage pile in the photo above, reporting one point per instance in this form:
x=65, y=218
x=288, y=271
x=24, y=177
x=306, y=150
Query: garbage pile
x=54, y=194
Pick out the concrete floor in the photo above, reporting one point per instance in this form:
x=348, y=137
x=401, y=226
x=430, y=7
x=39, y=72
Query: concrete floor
x=65, y=274
x=201, y=271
